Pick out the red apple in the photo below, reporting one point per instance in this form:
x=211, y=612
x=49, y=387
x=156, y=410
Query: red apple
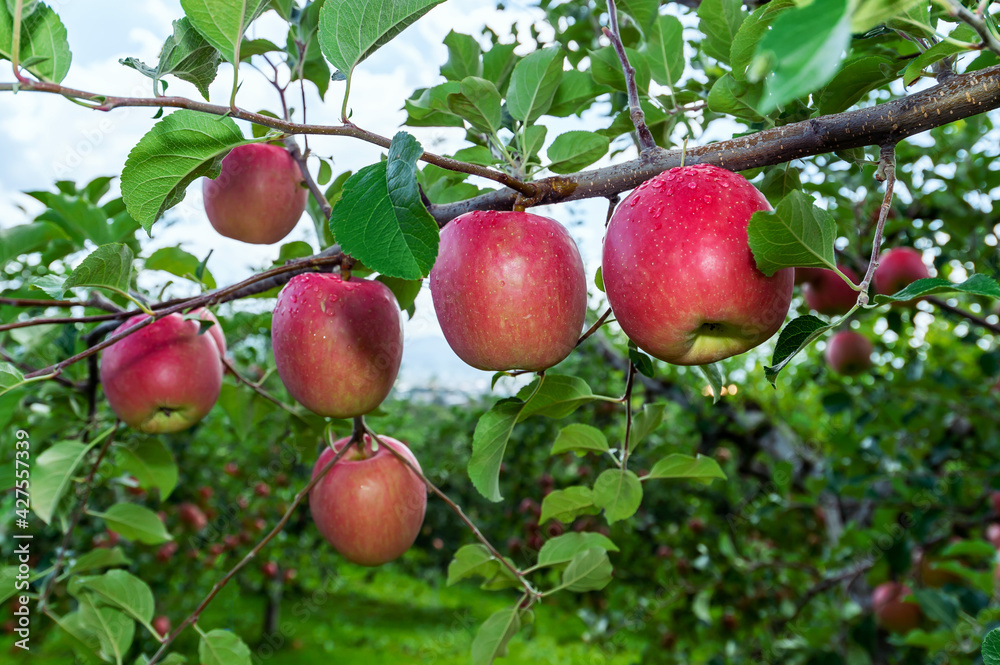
x=849, y=353
x=164, y=377
x=891, y=611
x=289, y=575
x=205, y=492
x=258, y=196
x=509, y=290
x=166, y=551
x=932, y=576
x=161, y=625
x=337, y=344
x=191, y=516
x=270, y=570
x=993, y=534
x=370, y=505
x=898, y=268
x=262, y=489
x=995, y=497
x=806, y=275
x=679, y=273
x=828, y=294
x=231, y=469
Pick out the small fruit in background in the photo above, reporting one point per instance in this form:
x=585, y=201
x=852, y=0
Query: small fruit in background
x=898, y=268
x=161, y=625
x=828, y=294
x=849, y=353
x=892, y=612
x=192, y=516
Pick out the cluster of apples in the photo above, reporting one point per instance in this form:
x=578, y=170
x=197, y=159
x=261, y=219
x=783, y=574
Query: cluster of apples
x=825, y=292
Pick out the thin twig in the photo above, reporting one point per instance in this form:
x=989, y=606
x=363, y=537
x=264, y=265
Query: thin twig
x=646, y=141
x=528, y=588
x=629, y=382
x=886, y=172
x=317, y=193
x=218, y=586
x=977, y=22
x=77, y=513
x=978, y=320
x=106, y=305
x=594, y=328
x=259, y=390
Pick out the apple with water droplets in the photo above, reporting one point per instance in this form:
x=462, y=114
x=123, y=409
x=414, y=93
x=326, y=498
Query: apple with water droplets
x=369, y=505
x=166, y=376
x=827, y=292
x=679, y=273
x=258, y=195
x=337, y=343
x=849, y=353
x=509, y=290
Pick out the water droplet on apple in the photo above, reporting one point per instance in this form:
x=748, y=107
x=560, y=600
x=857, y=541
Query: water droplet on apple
x=692, y=184
x=708, y=199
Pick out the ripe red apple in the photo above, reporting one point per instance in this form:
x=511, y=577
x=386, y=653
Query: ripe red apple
x=995, y=497
x=806, y=275
x=849, y=353
x=231, y=469
x=891, y=611
x=509, y=290
x=370, y=505
x=898, y=268
x=258, y=196
x=191, y=516
x=993, y=534
x=679, y=273
x=164, y=377
x=161, y=625
x=205, y=492
x=262, y=489
x=828, y=294
x=270, y=570
x=337, y=344
x=167, y=551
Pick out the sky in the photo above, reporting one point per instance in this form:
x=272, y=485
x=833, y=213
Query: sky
x=44, y=138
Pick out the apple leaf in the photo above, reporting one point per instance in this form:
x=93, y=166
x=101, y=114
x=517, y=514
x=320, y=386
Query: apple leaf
x=112, y=627
x=977, y=285
x=568, y=504
x=489, y=442
x=124, y=591
x=871, y=13
x=575, y=150
x=99, y=558
x=381, y=220
x=619, y=493
x=476, y=560
x=562, y=549
x=223, y=647
x=405, y=290
x=991, y=648
x=464, y=57
x=135, y=523
x=643, y=12
x=589, y=570
x=176, y=261
x=803, y=50
x=10, y=377
x=152, y=464
x=720, y=20
x=751, y=31
x=478, y=102
x=794, y=337
x=107, y=267
x=937, y=52
x=644, y=422
x=713, y=374
x=44, y=47
x=533, y=84
x=186, y=55
x=854, y=81
x=492, y=637
x=558, y=396
x=581, y=439
x=665, y=51
x=223, y=22
x=606, y=70
x=685, y=466
x=351, y=30
x=178, y=149
x=52, y=474
x=796, y=233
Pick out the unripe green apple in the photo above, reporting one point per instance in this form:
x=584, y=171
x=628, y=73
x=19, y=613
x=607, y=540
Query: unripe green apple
x=509, y=290
x=891, y=611
x=370, y=505
x=257, y=197
x=679, y=273
x=827, y=293
x=849, y=353
x=166, y=376
x=337, y=344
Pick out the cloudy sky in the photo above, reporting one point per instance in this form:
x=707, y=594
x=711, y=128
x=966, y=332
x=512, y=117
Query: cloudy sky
x=44, y=138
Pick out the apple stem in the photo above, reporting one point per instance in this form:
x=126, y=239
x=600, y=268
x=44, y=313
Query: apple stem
x=646, y=141
x=529, y=590
x=887, y=173
x=358, y=433
x=594, y=328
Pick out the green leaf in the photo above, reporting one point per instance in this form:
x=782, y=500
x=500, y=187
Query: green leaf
x=52, y=474
x=794, y=337
x=665, y=51
x=685, y=466
x=803, y=50
x=176, y=261
x=498, y=64
x=464, y=57
x=581, y=439
x=619, y=493
x=223, y=647
x=135, y=523
x=606, y=68
x=152, y=464
x=937, y=52
x=796, y=233
x=99, y=558
x=576, y=92
x=476, y=561
x=10, y=377
x=189, y=57
x=562, y=549
x=779, y=182
x=113, y=628
x=568, y=504
x=751, y=31
x=381, y=220
x=558, y=396
x=575, y=150
x=991, y=648
x=179, y=148
x=489, y=442
x=428, y=107
x=533, y=84
x=492, y=637
x=351, y=30
x=589, y=570
x=534, y=139
x=479, y=103
x=44, y=50
x=125, y=591
x=871, y=13
x=87, y=644
x=977, y=285
x=854, y=81
x=313, y=66
x=645, y=421
x=938, y=606
x=223, y=22
x=108, y=266
x=252, y=47
x=405, y=290
x=720, y=21
x=8, y=579
x=27, y=239
x=713, y=375
x=737, y=98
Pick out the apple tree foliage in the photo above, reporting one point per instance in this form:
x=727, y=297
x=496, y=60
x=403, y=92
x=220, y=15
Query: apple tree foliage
x=746, y=529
